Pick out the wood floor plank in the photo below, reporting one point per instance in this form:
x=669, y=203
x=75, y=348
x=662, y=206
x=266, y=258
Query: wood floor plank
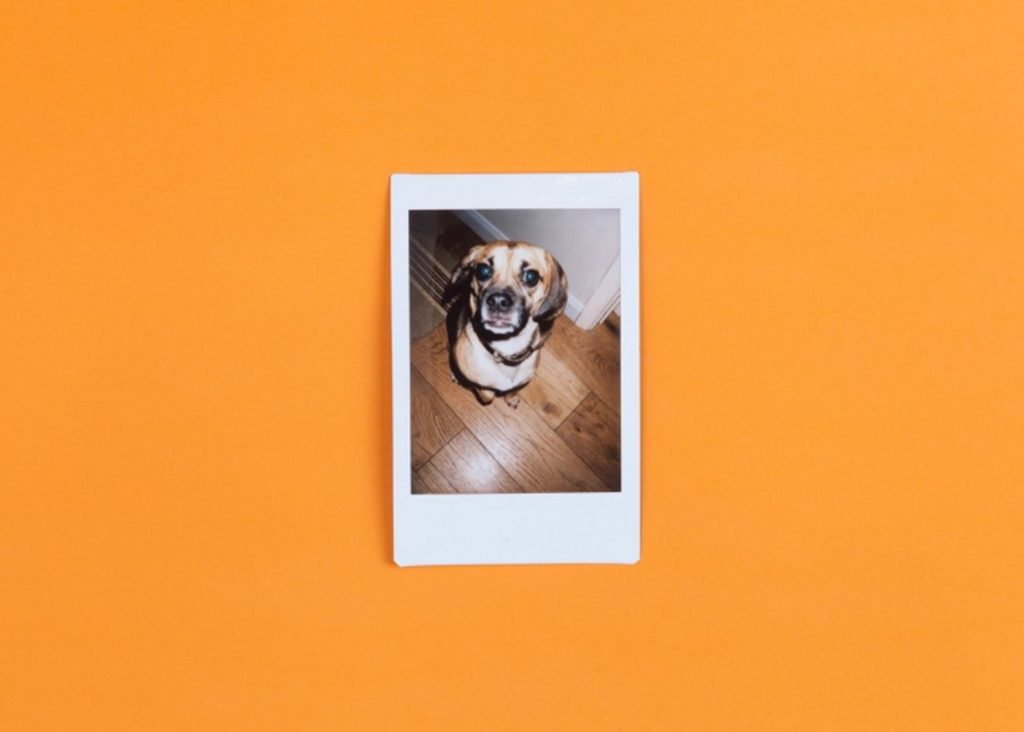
x=555, y=390
x=433, y=422
x=518, y=439
x=592, y=355
x=424, y=313
x=593, y=432
x=463, y=466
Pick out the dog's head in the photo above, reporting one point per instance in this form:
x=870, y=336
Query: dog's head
x=508, y=284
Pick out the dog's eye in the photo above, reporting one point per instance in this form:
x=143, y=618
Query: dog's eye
x=531, y=277
x=484, y=272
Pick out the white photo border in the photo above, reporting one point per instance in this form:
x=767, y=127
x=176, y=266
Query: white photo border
x=517, y=528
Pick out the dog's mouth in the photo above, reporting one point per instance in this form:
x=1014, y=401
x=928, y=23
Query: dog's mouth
x=501, y=314
x=500, y=324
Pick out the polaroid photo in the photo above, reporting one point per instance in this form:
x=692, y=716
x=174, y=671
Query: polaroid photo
x=516, y=368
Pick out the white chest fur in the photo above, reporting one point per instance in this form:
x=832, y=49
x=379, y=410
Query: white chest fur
x=481, y=366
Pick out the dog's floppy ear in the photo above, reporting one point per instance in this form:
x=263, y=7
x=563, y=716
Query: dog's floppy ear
x=461, y=274
x=558, y=293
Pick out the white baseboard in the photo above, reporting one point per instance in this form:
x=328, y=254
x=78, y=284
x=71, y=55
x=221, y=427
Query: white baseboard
x=482, y=226
x=573, y=308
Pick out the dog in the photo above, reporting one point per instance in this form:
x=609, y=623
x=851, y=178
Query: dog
x=504, y=298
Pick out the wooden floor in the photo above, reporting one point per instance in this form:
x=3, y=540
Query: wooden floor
x=563, y=437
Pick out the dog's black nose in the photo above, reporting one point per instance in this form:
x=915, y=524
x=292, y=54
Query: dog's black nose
x=499, y=301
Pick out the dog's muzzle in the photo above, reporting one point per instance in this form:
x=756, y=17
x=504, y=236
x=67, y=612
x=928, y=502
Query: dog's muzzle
x=502, y=311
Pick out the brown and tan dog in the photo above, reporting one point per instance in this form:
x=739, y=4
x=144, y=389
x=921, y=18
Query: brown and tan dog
x=504, y=297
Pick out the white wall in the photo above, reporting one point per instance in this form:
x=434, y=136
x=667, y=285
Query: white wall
x=584, y=241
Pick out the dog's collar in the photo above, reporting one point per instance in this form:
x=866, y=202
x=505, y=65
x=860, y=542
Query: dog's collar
x=516, y=358
x=513, y=360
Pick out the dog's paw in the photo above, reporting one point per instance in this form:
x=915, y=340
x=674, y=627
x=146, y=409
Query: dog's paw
x=484, y=396
x=512, y=400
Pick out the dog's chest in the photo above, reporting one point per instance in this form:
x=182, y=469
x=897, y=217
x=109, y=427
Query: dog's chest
x=485, y=368
x=504, y=377
x=515, y=346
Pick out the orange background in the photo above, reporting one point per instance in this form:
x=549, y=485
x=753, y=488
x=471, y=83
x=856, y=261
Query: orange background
x=194, y=366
